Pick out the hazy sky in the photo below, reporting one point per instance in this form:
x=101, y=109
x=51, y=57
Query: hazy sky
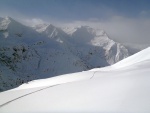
x=127, y=21
x=76, y=9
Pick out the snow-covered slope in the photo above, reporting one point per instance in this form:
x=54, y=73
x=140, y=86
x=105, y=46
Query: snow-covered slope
x=121, y=90
x=45, y=51
x=136, y=58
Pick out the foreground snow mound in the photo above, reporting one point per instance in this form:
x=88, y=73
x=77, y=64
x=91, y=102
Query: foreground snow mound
x=121, y=90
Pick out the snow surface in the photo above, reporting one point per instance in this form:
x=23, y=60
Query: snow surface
x=121, y=88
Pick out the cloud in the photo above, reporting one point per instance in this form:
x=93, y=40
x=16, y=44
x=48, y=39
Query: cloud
x=32, y=22
x=129, y=30
x=145, y=13
x=122, y=29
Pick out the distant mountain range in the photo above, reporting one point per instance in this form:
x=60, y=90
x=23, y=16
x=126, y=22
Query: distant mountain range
x=29, y=53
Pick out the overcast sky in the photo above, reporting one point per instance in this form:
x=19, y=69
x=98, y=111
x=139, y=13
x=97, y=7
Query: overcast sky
x=126, y=21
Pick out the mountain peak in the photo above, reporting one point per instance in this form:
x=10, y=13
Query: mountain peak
x=50, y=26
x=8, y=18
x=6, y=21
x=42, y=27
x=84, y=26
x=88, y=29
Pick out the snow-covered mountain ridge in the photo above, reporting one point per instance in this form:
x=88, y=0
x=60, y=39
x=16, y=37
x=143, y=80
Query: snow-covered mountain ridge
x=120, y=88
x=45, y=51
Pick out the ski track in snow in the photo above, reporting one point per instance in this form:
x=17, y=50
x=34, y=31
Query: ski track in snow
x=2, y=105
x=37, y=91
